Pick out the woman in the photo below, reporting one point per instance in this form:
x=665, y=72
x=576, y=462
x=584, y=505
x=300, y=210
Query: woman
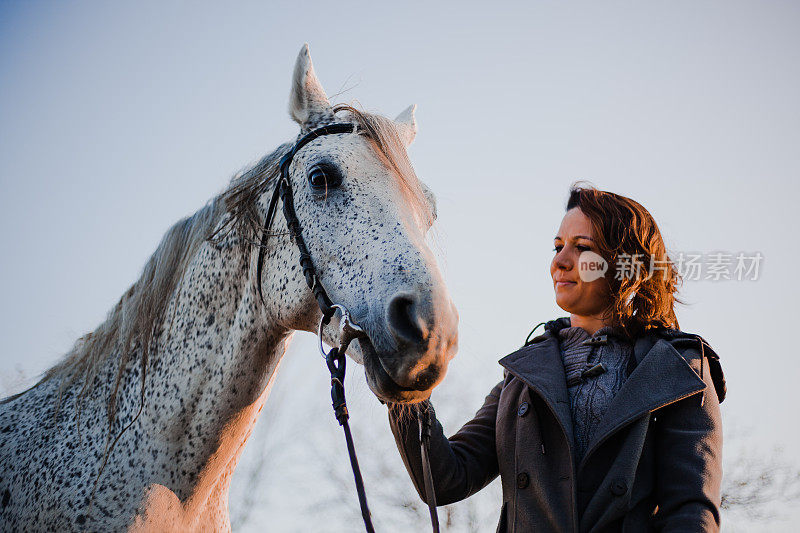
x=609, y=420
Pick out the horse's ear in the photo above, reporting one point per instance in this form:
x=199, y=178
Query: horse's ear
x=430, y=197
x=407, y=124
x=308, y=103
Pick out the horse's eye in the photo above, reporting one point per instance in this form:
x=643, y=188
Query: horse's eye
x=324, y=177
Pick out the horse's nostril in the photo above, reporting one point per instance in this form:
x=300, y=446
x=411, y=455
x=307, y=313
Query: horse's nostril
x=404, y=320
x=427, y=378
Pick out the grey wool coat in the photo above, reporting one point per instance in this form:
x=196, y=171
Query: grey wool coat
x=654, y=464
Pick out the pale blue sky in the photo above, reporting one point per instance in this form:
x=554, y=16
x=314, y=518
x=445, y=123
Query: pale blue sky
x=116, y=121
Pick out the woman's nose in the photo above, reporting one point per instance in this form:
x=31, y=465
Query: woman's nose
x=562, y=261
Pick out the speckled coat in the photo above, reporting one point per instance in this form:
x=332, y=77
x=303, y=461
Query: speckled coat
x=655, y=464
x=164, y=458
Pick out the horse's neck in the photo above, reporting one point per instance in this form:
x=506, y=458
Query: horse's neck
x=208, y=377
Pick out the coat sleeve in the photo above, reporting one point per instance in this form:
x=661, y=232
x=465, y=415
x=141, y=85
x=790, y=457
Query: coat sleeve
x=689, y=462
x=460, y=465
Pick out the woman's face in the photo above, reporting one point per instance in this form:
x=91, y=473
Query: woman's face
x=574, y=295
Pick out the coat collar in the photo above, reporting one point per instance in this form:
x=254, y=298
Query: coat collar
x=661, y=376
x=539, y=366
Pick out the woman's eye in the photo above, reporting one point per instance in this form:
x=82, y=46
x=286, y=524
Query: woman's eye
x=580, y=247
x=324, y=177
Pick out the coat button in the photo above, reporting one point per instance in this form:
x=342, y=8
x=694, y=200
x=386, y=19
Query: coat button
x=618, y=487
x=522, y=480
x=523, y=408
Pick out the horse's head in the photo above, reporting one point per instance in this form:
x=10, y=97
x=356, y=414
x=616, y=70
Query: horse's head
x=364, y=216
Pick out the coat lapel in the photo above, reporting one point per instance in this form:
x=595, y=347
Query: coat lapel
x=661, y=377
x=540, y=367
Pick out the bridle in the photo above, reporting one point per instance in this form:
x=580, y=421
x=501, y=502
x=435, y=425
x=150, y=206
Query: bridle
x=348, y=330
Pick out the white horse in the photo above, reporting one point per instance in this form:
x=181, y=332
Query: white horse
x=141, y=425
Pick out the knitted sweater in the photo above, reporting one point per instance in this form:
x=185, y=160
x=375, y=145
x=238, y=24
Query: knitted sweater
x=591, y=392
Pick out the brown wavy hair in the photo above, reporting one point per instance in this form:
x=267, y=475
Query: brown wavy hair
x=643, y=279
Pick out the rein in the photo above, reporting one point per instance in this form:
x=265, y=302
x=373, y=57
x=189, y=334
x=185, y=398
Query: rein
x=348, y=330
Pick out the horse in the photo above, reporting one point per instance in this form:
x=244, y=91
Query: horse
x=140, y=425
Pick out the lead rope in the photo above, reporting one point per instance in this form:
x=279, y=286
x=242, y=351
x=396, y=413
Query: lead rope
x=336, y=365
x=424, y=420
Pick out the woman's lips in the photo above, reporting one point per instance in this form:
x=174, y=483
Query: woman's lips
x=564, y=283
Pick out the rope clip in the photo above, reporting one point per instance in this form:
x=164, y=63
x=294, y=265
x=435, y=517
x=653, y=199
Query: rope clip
x=348, y=330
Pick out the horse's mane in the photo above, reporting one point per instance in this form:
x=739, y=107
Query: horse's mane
x=132, y=323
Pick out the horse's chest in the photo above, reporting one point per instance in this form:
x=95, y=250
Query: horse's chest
x=162, y=510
